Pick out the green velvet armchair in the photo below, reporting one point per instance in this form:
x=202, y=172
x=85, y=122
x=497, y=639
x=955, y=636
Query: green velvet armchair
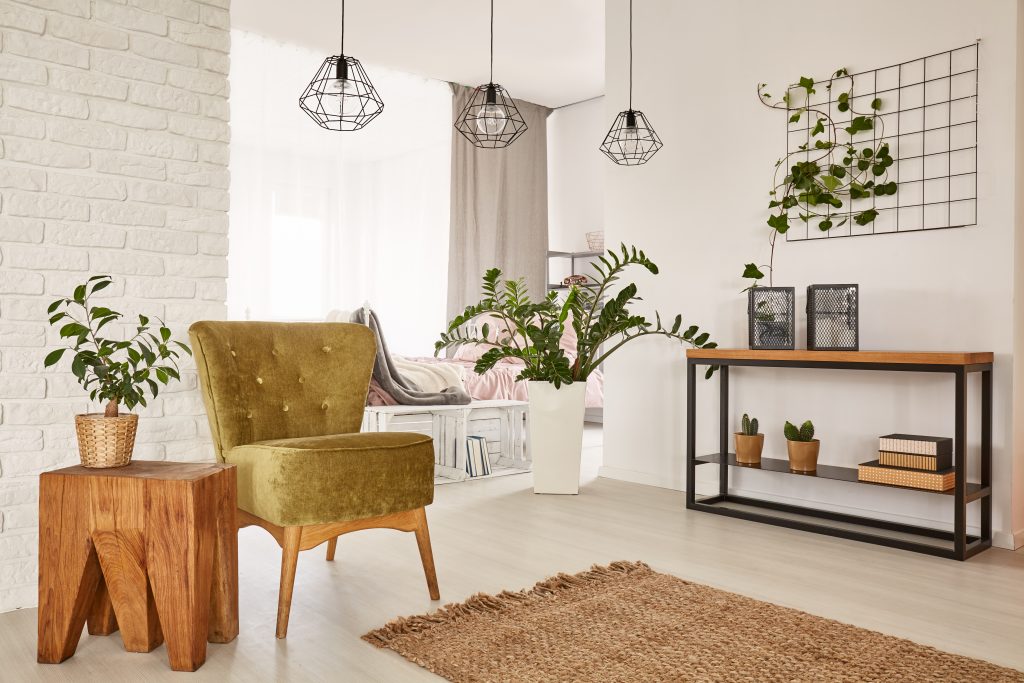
x=285, y=403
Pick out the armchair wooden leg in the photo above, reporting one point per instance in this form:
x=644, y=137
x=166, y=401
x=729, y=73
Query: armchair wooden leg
x=289, y=560
x=332, y=545
x=426, y=555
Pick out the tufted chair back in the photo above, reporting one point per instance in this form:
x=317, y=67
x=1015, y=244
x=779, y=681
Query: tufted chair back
x=264, y=380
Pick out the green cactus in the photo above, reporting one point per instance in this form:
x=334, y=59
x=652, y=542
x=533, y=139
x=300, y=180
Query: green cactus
x=804, y=433
x=749, y=426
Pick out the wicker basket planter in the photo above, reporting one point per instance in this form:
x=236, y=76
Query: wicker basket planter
x=106, y=441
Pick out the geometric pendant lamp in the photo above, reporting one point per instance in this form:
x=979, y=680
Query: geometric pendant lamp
x=631, y=141
x=490, y=119
x=341, y=97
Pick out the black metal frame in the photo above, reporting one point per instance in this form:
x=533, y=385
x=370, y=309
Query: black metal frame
x=903, y=83
x=772, y=296
x=963, y=545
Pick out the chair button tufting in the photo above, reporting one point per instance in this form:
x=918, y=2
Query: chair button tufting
x=323, y=406
x=259, y=380
x=273, y=352
x=302, y=380
x=233, y=352
x=327, y=349
x=285, y=409
x=248, y=415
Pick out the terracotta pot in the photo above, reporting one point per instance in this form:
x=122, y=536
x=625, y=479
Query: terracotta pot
x=803, y=455
x=748, y=448
x=106, y=441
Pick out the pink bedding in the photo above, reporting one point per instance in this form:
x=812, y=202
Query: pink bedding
x=497, y=383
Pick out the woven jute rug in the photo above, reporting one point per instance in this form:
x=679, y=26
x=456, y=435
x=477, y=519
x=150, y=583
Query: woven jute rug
x=626, y=622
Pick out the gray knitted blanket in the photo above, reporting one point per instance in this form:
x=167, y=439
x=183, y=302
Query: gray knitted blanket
x=390, y=379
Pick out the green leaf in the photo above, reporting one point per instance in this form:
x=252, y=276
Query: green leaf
x=865, y=217
x=795, y=118
x=52, y=357
x=751, y=271
x=54, y=306
x=819, y=127
x=825, y=225
x=780, y=222
x=876, y=104
x=807, y=84
x=831, y=182
x=79, y=294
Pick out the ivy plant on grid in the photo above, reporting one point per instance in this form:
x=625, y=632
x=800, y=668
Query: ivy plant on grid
x=113, y=371
x=818, y=182
x=531, y=331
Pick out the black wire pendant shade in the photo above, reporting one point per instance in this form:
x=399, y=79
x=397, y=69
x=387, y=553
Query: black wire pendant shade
x=341, y=96
x=491, y=120
x=631, y=141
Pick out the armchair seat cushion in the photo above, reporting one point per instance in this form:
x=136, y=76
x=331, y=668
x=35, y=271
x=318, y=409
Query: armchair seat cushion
x=334, y=478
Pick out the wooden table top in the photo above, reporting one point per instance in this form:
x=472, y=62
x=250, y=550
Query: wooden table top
x=803, y=356
x=149, y=469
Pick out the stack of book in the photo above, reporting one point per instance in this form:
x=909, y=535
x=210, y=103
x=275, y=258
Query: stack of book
x=919, y=462
x=478, y=461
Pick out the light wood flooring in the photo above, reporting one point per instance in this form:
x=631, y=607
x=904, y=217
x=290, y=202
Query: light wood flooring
x=495, y=534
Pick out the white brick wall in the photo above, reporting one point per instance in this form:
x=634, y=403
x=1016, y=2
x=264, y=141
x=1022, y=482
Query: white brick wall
x=113, y=159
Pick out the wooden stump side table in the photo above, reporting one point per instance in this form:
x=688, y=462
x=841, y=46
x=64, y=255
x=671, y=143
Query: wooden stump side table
x=150, y=548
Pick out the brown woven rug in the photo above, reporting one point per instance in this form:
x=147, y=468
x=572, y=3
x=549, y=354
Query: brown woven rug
x=626, y=622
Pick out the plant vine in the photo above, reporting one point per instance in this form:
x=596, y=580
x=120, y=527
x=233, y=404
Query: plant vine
x=826, y=175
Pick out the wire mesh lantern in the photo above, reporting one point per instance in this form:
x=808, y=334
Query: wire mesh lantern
x=631, y=140
x=341, y=96
x=491, y=120
x=771, y=317
x=832, y=317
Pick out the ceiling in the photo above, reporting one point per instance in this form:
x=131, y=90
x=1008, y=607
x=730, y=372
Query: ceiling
x=550, y=52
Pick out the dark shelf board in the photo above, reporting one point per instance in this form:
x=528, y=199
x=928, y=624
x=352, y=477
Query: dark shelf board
x=974, y=491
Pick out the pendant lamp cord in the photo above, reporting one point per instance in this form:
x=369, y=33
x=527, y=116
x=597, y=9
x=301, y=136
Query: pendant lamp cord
x=491, y=80
x=343, y=28
x=630, y=54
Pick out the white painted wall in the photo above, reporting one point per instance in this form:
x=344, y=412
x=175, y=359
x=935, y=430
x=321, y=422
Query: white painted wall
x=113, y=159
x=698, y=209
x=576, y=174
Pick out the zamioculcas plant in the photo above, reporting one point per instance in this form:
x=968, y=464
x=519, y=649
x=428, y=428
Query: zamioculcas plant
x=531, y=330
x=112, y=371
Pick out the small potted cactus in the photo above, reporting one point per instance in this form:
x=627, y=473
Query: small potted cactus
x=749, y=442
x=802, y=446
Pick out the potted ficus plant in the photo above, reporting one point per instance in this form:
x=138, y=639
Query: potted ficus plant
x=113, y=372
x=749, y=443
x=802, y=447
x=531, y=331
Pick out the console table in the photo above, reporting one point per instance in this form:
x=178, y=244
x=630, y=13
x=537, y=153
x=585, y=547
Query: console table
x=149, y=549
x=957, y=544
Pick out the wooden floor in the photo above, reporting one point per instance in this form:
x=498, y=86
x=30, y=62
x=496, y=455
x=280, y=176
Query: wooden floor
x=495, y=534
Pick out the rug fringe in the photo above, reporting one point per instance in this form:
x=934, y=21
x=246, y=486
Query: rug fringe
x=483, y=603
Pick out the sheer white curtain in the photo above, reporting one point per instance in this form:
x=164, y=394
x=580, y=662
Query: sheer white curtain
x=323, y=220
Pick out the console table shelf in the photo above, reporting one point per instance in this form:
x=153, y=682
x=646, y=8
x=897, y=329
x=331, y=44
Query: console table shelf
x=957, y=544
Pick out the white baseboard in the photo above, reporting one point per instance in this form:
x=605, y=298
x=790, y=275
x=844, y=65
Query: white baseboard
x=1000, y=539
x=638, y=477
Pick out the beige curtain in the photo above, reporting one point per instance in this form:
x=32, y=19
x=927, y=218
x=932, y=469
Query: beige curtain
x=499, y=208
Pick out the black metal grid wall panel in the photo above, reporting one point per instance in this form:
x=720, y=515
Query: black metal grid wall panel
x=832, y=317
x=930, y=120
x=771, y=317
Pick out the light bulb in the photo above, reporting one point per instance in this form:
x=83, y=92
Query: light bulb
x=491, y=120
x=630, y=141
x=342, y=92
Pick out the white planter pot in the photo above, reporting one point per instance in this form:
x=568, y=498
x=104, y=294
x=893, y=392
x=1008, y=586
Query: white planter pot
x=556, y=436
